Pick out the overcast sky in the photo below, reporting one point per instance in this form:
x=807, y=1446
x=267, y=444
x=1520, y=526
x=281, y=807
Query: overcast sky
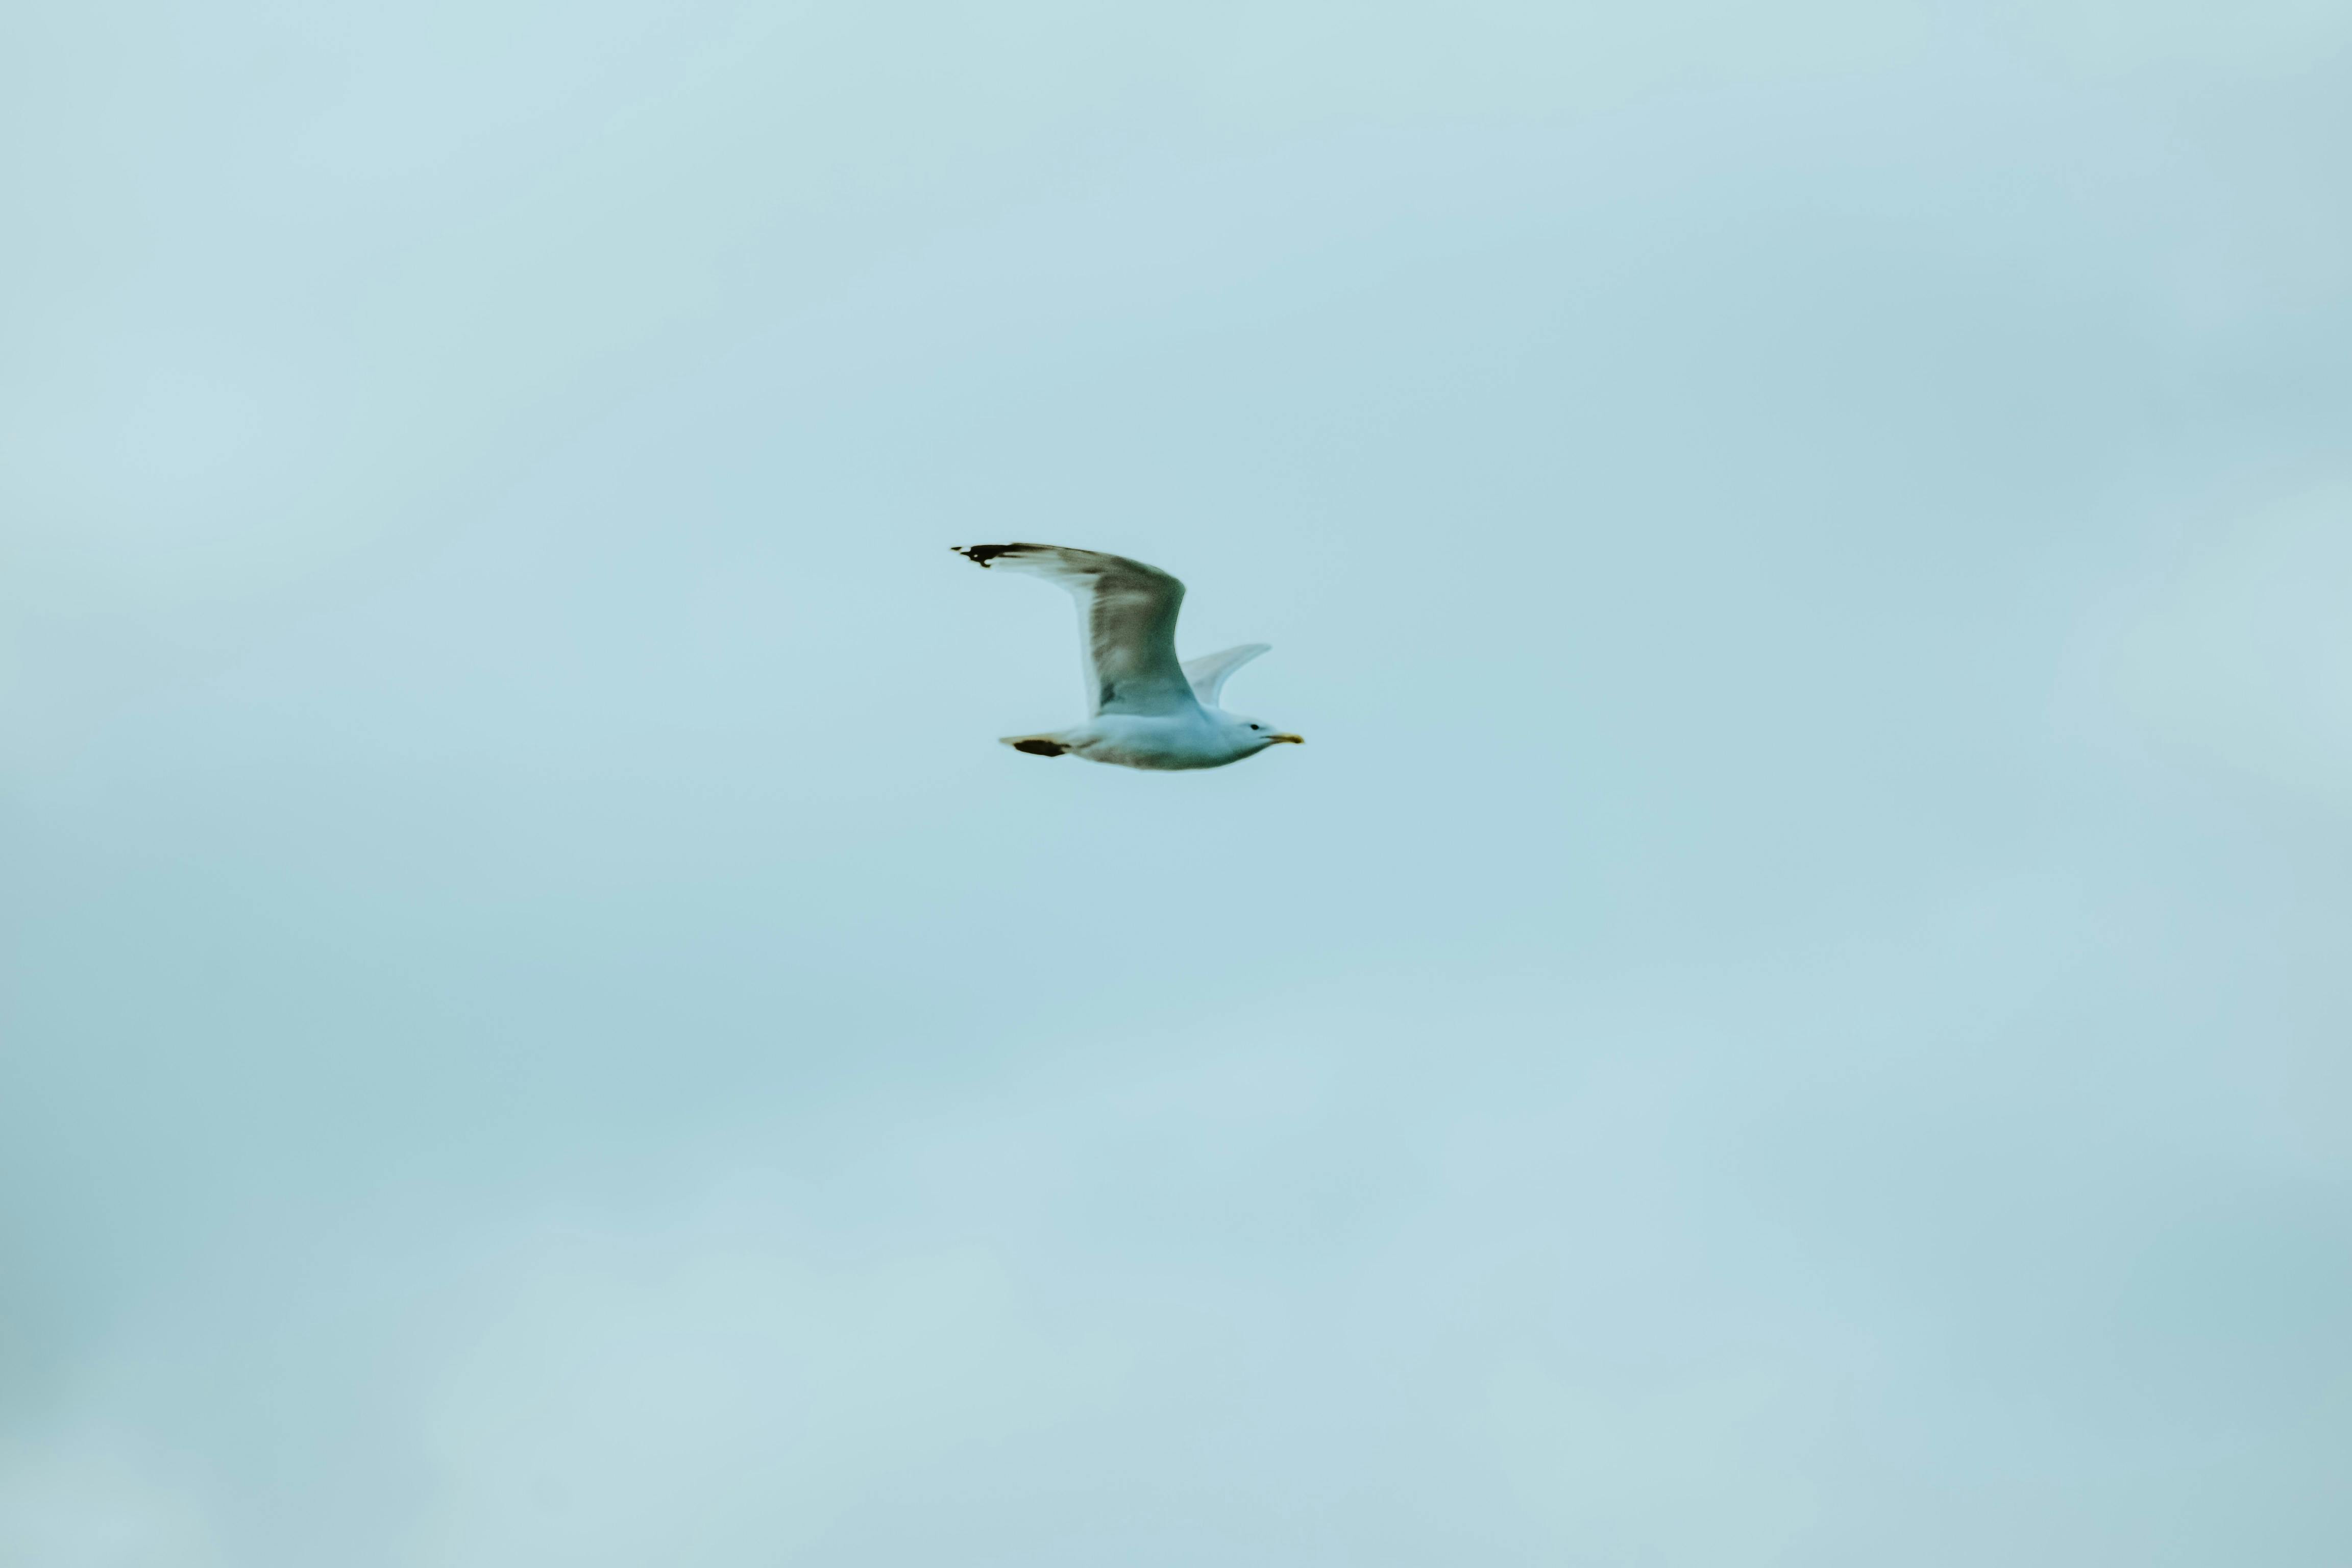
x=1792, y=1009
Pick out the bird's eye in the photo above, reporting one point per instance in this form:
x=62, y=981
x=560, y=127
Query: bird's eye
x=1253, y=726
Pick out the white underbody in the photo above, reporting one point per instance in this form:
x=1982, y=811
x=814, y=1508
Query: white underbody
x=1204, y=738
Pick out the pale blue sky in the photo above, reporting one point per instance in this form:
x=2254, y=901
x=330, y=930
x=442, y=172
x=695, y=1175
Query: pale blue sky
x=1792, y=1010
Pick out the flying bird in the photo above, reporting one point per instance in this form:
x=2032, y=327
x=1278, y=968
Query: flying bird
x=1145, y=710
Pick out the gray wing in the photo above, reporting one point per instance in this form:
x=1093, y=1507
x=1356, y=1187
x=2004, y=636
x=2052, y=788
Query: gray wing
x=1127, y=613
x=1207, y=672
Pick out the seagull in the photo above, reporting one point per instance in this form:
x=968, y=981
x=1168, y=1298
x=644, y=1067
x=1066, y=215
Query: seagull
x=1145, y=710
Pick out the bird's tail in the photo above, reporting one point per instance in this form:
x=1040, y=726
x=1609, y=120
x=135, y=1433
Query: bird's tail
x=1035, y=745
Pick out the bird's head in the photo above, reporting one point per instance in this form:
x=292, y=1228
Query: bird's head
x=1256, y=734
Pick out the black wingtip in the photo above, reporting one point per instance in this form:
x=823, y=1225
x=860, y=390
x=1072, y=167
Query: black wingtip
x=981, y=554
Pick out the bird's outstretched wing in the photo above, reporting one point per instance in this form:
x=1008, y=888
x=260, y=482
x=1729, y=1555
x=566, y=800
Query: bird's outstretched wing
x=1207, y=672
x=1127, y=613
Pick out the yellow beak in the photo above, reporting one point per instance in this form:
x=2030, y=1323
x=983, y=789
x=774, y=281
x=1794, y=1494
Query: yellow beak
x=1294, y=739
